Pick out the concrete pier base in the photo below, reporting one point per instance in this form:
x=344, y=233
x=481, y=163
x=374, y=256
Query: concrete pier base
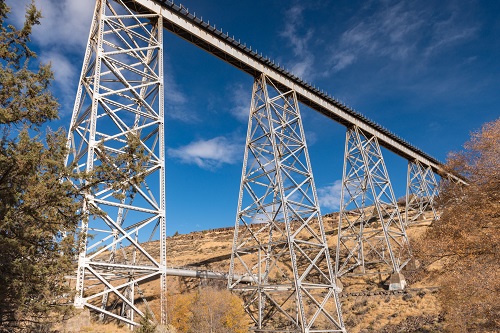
x=397, y=281
x=339, y=285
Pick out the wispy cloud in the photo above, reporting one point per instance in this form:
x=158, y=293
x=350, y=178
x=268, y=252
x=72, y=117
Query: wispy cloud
x=64, y=22
x=62, y=36
x=240, y=97
x=342, y=59
x=329, y=196
x=311, y=137
x=175, y=99
x=209, y=154
x=399, y=31
x=64, y=70
x=299, y=38
x=449, y=32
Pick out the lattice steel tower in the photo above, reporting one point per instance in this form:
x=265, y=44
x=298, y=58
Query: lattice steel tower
x=421, y=191
x=371, y=238
x=117, y=126
x=279, y=240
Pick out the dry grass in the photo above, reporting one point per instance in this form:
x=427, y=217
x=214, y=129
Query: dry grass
x=368, y=313
x=381, y=313
x=104, y=328
x=375, y=313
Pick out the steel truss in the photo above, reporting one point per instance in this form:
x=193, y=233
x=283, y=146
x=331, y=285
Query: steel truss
x=279, y=240
x=372, y=237
x=117, y=127
x=421, y=190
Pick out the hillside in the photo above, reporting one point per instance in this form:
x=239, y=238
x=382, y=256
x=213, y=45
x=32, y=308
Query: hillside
x=457, y=288
x=366, y=304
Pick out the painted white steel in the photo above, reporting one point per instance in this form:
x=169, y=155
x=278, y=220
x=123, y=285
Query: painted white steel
x=230, y=49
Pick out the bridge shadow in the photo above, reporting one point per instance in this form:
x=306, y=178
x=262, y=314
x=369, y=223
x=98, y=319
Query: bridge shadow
x=212, y=260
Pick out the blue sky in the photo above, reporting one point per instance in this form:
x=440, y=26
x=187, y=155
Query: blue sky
x=427, y=70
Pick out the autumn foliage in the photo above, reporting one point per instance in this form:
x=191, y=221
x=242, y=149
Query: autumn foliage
x=465, y=243
x=208, y=310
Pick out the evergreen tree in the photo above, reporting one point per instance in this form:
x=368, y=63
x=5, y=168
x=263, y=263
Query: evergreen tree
x=36, y=207
x=39, y=206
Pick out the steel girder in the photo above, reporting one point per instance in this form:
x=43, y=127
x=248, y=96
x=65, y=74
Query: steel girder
x=279, y=239
x=371, y=236
x=421, y=191
x=117, y=127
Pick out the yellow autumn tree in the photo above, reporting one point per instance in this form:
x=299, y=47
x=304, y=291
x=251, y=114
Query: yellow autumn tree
x=208, y=310
x=235, y=319
x=180, y=312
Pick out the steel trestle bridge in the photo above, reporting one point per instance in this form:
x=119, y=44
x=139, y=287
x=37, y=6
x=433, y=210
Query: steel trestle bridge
x=289, y=281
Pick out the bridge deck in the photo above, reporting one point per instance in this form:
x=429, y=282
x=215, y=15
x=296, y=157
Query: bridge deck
x=184, y=24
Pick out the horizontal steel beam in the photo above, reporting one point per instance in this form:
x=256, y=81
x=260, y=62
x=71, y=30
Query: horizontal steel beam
x=185, y=272
x=191, y=28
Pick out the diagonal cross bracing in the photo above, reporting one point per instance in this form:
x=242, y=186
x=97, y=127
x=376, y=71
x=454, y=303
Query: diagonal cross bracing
x=117, y=129
x=279, y=239
x=371, y=237
x=120, y=97
x=421, y=191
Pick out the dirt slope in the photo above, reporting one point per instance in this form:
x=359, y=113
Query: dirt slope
x=366, y=305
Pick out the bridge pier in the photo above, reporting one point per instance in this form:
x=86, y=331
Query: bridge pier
x=372, y=237
x=421, y=191
x=279, y=239
x=117, y=127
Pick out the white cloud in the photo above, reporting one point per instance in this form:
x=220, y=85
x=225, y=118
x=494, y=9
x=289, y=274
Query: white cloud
x=329, y=196
x=399, y=30
x=172, y=93
x=342, y=60
x=209, y=154
x=302, y=65
x=64, y=70
x=241, y=99
x=294, y=20
x=303, y=68
x=176, y=101
x=311, y=137
x=389, y=32
x=65, y=77
x=449, y=32
x=64, y=23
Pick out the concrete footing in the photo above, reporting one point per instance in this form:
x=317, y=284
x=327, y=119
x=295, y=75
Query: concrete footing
x=339, y=286
x=397, y=281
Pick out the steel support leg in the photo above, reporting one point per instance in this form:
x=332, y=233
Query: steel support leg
x=279, y=239
x=372, y=237
x=117, y=130
x=421, y=191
